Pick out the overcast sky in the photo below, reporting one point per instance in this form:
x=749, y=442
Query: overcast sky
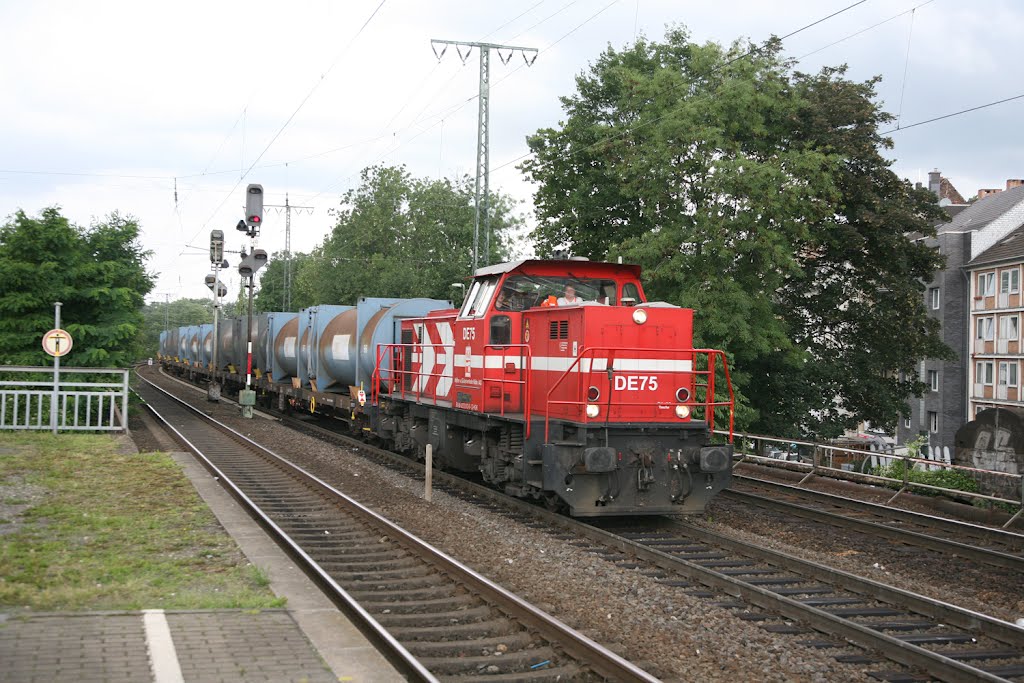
x=107, y=103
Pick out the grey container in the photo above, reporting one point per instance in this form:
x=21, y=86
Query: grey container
x=226, y=343
x=182, y=344
x=206, y=345
x=192, y=344
x=303, y=362
x=346, y=342
x=277, y=344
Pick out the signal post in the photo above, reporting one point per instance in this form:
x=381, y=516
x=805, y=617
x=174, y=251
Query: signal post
x=219, y=291
x=250, y=263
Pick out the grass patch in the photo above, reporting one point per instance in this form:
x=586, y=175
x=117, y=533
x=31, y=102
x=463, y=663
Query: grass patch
x=108, y=531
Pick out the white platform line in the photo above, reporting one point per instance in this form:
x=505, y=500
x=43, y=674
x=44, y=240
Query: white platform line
x=163, y=658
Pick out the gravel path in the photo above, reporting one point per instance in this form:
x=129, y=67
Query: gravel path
x=673, y=635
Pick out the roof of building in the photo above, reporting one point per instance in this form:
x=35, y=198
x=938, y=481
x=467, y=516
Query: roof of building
x=984, y=211
x=1010, y=247
x=947, y=191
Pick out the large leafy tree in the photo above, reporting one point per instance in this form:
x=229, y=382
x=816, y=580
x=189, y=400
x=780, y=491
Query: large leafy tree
x=400, y=236
x=97, y=273
x=270, y=293
x=758, y=196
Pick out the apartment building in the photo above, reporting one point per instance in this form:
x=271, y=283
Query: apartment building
x=996, y=306
x=973, y=230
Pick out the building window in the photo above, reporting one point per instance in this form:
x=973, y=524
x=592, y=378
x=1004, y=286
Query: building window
x=1008, y=374
x=987, y=284
x=906, y=422
x=983, y=372
x=933, y=380
x=1009, y=327
x=933, y=421
x=1009, y=281
x=933, y=297
x=985, y=330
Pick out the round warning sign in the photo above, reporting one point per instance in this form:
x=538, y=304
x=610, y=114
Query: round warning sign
x=57, y=342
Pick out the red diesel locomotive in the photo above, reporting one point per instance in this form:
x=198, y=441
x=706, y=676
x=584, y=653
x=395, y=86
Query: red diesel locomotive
x=557, y=380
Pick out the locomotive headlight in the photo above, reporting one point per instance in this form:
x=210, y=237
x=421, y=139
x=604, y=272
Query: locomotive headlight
x=639, y=316
x=593, y=410
x=682, y=412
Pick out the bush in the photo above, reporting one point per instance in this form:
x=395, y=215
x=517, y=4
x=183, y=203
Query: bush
x=943, y=478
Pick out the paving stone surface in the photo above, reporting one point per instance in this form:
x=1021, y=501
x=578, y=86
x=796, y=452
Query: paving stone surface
x=211, y=646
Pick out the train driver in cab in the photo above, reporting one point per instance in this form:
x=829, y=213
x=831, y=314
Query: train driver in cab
x=569, y=297
x=506, y=300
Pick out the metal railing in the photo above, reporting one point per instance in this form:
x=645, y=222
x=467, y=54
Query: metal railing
x=822, y=461
x=609, y=355
x=394, y=379
x=29, y=399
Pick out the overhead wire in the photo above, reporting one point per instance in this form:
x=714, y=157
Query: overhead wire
x=754, y=49
x=956, y=113
x=456, y=107
x=906, y=67
x=863, y=30
x=288, y=121
x=452, y=109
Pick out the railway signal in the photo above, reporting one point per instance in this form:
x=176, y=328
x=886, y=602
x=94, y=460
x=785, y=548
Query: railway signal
x=254, y=208
x=252, y=262
x=212, y=281
x=216, y=246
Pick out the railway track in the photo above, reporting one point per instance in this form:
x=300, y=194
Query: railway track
x=944, y=641
x=985, y=545
x=789, y=595
x=782, y=593
x=434, y=618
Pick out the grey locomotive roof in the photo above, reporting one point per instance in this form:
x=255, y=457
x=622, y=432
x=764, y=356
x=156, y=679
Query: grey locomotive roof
x=1009, y=248
x=984, y=211
x=499, y=268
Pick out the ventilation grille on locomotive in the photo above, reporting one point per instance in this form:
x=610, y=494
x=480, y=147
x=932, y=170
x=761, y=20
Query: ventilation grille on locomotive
x=559, y=329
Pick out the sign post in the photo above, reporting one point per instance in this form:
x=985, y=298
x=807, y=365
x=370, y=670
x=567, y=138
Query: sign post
x=57, y=343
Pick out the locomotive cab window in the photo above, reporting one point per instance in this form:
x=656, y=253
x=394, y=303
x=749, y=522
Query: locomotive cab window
x=520, y=292
x=501, y=330
x=478, y=298
x=630, y=294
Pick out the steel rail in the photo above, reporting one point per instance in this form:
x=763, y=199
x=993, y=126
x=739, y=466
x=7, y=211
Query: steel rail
x=592, y=654
x=916, y=538
x=984, y=533
x=897, y=650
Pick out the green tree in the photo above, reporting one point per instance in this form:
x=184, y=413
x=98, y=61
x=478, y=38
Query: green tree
x=270, y=291
x=400, y=236
x=757, y=196
x=99, y=275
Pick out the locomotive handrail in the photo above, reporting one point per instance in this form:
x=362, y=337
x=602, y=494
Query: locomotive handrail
x=377, y=376
x=526, y=363
x=393, y=373
x=709, y=385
